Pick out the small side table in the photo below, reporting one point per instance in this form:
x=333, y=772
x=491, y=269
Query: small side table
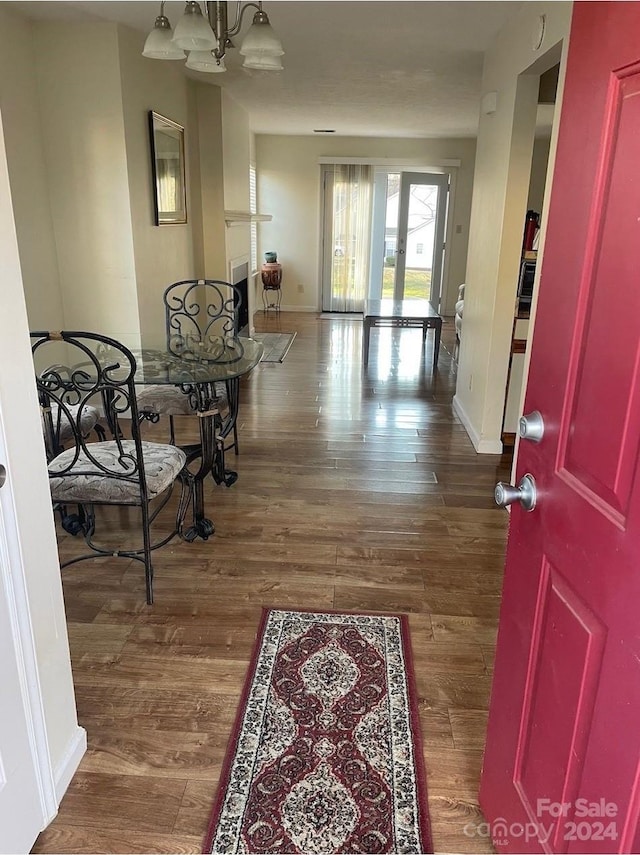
x=271, y=273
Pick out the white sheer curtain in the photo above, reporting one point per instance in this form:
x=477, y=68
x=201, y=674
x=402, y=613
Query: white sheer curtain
x=351, y=236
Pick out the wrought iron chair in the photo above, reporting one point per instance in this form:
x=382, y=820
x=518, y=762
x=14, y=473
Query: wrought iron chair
x=198, y=313
x=116, y=471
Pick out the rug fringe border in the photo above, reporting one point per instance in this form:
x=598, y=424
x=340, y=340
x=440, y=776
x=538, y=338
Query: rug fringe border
x=225, y=773
x=292, y=338
x=288, y=347
x=414, y=718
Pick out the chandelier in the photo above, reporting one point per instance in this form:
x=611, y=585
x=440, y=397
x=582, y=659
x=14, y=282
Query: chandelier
x=204, y=39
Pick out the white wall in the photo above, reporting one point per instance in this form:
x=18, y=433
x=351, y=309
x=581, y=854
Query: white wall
x=500, y=193
x=25, y=153
x=162, y=254
x=289, y=189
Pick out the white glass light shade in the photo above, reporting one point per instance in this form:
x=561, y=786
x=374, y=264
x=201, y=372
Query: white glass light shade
x=204, y=60
x=261, y=38
x=193, y=32
x=262, y=62
x=159, y=45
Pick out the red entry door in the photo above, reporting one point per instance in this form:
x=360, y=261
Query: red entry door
x=562, y=761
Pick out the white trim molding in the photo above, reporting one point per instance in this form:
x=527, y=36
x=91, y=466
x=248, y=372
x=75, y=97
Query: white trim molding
x=68, y=765
x=394, y=162
x=482, y=446
x=285, y=308
x=243, y=218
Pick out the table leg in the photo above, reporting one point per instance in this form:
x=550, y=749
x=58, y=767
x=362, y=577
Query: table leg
x=436, y=345
x=230, y=424
x=206, y=452
x=366, y=330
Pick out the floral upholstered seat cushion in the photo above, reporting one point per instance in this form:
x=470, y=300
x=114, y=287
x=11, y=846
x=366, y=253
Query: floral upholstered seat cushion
x=172, y=401
x=164, y=400
x=61, y=421
x=87, y=483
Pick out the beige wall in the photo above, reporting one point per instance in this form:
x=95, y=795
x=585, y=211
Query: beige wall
x=209, y=241
x=538, y=179
x=162, y=254
x=236, y=157
x=82, y=123
x=78, y=145
x=500, y=193
x=289, y=190
x=25, y=153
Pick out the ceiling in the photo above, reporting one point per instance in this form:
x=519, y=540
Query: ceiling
x=384, y=69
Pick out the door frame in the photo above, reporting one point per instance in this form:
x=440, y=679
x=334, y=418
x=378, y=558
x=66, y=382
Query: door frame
x=13, y=582
x=326, y=231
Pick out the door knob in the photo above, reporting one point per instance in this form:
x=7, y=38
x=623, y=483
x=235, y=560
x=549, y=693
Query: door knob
x=531, y=426
x=3, y=475
x=401, y=252
x=525, y=493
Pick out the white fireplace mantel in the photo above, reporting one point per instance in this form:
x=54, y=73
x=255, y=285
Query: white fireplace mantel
x=240, y=218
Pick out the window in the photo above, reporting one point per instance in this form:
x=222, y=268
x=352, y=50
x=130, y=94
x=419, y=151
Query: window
x=253, y=207
x=419, y=248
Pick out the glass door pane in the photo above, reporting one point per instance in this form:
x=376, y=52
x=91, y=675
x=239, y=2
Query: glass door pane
x=391, y=234
x=420, y=239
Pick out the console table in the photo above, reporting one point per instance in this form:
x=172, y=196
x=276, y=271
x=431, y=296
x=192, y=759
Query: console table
x=401, y=313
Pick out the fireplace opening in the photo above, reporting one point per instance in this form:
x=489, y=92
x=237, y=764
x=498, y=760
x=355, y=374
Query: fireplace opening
x=240, y=278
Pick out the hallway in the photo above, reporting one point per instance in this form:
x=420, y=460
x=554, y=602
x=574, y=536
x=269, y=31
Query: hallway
x=356, y=491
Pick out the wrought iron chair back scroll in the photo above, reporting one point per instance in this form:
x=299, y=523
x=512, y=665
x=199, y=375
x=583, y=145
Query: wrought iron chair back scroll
x=60, y=424
x=200, y=312
x=98, y=374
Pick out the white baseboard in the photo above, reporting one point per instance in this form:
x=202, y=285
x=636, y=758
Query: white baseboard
x=482, y=446
x=66, y=768
x=285, y=308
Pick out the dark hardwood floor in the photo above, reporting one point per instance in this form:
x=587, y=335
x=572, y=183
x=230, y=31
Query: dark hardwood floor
x=356, y=491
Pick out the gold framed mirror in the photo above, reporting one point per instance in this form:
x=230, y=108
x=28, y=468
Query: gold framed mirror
x=168, y=170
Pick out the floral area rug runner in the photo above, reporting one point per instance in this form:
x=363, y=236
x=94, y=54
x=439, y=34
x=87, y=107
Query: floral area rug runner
x=326, y=752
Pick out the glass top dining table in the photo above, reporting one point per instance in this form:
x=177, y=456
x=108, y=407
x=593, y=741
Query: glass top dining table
x=197, y=363
x=195, y=368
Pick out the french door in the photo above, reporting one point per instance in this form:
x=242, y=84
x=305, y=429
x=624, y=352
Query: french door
x=409, y=219
x=383, y=236
x=420, y=244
